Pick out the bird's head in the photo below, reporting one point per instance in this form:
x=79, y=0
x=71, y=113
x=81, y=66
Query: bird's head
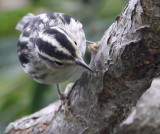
x=56, y=45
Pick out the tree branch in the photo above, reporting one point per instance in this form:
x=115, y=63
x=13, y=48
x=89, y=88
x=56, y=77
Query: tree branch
x=127, y=60
x=145, y=117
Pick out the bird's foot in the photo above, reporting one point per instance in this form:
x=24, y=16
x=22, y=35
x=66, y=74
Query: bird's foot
x=93, y=46
x=64, y=99
x=68, y=110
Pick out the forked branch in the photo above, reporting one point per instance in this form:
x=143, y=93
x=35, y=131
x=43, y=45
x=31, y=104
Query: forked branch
x=127, y=60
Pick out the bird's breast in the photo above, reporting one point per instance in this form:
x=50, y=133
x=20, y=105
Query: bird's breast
x=47, y=75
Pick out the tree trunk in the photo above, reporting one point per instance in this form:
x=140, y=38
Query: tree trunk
x=127, y=60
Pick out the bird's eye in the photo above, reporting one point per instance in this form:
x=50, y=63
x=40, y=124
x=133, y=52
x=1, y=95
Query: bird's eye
x=58, y=63
x=75, y=43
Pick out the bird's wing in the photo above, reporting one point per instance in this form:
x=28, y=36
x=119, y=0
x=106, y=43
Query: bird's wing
x=26, y=19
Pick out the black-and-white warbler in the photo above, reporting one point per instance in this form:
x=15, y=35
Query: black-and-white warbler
x=51, y=47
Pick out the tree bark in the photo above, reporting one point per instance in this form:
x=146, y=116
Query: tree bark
x=145, y=117
x=127, y=60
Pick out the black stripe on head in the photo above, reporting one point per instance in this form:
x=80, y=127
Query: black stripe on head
x=67, y=18
x=39, y=21
x=25, y=33
x=62, y=39
x=50, y=50
x=51, y=16
x=62, y=19
x=44, y=58
x=34, y=24
x=51, y=61
x=23, y=58
x=22, y=45
x=26, y=25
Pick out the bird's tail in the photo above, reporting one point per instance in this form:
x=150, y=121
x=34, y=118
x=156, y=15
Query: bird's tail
x=24, y=21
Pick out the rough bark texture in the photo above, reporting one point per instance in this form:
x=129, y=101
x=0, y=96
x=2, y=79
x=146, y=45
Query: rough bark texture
x=145, y=117
x=127, y=60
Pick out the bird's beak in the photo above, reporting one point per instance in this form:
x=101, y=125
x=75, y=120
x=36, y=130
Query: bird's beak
x=83, y=64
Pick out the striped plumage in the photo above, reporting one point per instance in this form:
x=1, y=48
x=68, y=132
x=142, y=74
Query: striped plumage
x=51, y=46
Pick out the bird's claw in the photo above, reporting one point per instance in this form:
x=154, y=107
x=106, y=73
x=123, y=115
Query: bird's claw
x=68, y=109
x=93, y=46
x=64, y=99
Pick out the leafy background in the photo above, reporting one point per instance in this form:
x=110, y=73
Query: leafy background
x=19, y=94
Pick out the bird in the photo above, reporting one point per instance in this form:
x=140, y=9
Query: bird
x=51, y=47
